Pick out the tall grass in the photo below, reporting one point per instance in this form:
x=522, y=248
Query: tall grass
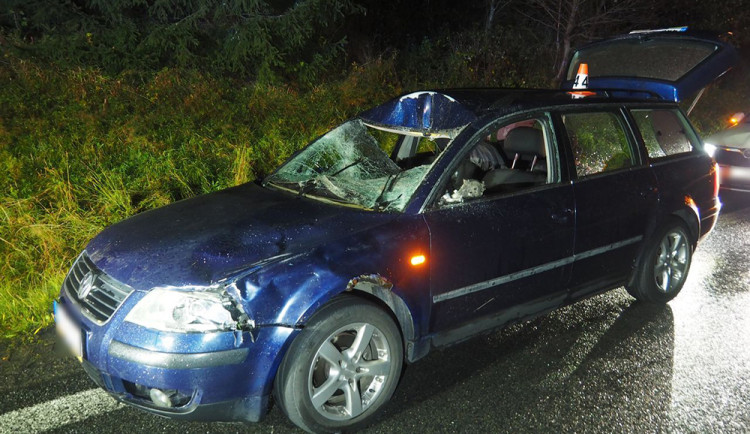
x=80, y=150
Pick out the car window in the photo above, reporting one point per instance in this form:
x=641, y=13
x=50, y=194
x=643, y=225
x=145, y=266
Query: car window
x=658, y=59
x=664, y=132
x=505, y=158
x=598, y=142
x=350, y=165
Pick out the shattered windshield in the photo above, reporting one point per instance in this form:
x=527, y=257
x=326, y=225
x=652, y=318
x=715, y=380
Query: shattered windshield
x=352, y=165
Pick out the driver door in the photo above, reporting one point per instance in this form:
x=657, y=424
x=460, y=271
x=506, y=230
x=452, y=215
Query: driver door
x=507, y=253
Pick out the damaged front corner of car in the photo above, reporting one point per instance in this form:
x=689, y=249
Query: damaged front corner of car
x=243, y=321
x=369, y=280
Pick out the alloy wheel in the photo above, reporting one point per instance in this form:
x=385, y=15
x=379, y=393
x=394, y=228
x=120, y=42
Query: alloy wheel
x=672, y=261
x=349, y=371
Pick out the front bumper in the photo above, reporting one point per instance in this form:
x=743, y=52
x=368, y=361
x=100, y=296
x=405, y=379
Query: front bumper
x=159, y=359
x=225, y=376
x=248, y=409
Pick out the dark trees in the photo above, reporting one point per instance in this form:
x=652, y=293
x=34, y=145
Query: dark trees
x=300, y=39
x=568, y=22
x=247, y=37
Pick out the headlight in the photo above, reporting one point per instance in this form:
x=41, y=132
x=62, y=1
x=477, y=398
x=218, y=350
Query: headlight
x=709, y=148
x=183, y=311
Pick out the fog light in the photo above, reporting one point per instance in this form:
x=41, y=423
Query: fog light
x=160, y=398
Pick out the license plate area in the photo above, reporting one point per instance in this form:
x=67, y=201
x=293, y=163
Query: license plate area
x=70, y=333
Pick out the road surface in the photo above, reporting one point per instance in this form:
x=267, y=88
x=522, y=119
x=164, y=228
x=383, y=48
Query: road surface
x=607, y=364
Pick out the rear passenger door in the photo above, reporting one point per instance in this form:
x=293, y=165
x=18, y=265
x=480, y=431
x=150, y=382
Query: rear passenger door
x=615, y=195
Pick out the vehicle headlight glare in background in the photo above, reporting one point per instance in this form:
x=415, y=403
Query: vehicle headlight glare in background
x=182, y=311
x=709, y=148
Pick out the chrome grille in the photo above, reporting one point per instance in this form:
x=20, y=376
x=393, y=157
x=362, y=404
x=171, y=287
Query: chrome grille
x=104, y=294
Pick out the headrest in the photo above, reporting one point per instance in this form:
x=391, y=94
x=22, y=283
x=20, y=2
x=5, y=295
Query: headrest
x=525, y=140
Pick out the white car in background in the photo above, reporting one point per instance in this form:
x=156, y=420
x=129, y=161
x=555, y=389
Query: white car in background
x=731, y=150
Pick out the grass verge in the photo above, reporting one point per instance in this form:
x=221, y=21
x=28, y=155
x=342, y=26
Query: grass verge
x=80, y=150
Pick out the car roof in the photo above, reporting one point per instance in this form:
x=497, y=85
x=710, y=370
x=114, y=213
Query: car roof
x=508, y=101
x=442, y=112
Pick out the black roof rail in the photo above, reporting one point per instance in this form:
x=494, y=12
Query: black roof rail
x=606, y=92
x=639, y=93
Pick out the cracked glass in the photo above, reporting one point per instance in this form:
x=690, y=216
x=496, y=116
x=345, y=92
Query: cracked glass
x=350, y=165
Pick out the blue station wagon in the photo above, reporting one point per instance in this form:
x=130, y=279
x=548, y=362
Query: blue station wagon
x=432, y=218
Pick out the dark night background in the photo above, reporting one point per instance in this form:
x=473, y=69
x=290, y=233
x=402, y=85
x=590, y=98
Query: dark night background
x=303, y=41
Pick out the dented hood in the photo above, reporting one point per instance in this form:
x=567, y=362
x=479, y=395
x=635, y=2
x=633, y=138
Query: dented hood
x=199, y=241
x=673, y=63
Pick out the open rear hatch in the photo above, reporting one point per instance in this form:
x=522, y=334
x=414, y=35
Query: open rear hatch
x=672, y=63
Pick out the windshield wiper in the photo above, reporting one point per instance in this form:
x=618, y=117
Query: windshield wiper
x=307, y=186
x=301, y=188
x=387, y=186
x=359, y=160
x=324, y=184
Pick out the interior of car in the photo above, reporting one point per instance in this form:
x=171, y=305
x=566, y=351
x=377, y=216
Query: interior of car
x=509, y=158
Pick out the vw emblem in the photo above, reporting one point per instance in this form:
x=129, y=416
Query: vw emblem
x=746, y=153
x=86, y=285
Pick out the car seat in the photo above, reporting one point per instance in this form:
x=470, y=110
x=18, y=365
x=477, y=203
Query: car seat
x=526, y=144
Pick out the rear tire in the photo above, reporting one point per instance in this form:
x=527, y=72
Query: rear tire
x=663, y=268
x=342, y=367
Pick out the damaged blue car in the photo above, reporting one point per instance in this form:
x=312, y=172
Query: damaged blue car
x=427, y=220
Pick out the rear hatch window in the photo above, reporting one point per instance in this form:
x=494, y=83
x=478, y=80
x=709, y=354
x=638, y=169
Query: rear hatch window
x=655, y=59
x=669, y=64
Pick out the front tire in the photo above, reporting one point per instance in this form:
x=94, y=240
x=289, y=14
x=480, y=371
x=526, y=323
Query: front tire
x=342, y=368
x=663, y=269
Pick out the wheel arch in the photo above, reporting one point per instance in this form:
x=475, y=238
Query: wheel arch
x=690, y=216
x=379, y=290
x=687, y=215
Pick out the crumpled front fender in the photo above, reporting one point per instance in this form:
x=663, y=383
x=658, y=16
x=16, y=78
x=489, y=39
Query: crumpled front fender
x=280, y=293
x=288, y=291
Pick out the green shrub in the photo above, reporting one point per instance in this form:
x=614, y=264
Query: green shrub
x=267, y=40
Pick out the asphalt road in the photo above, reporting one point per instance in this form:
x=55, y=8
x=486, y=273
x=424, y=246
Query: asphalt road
x=607, y=364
